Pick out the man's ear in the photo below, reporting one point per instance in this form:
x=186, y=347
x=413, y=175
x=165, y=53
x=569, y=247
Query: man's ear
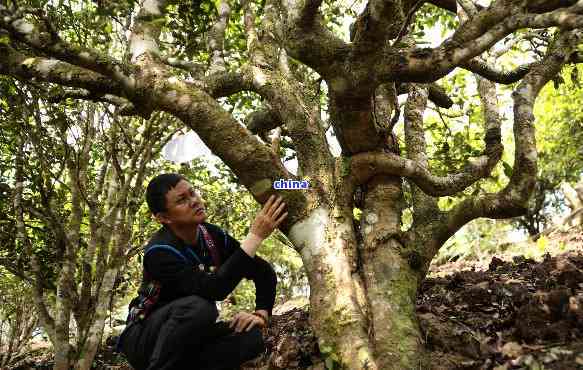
x=161, y=218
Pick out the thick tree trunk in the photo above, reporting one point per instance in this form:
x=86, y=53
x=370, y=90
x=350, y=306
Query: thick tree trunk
x=391, y=282
x=326, y=241
x=362, y=294
x=574, y=197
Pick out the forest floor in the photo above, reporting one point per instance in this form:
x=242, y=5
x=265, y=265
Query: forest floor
x=502, y=312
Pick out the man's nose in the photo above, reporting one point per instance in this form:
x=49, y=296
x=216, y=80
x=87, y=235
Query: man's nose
x=194, y=200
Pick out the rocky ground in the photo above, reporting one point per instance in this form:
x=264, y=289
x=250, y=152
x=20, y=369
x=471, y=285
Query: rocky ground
x=513, y=313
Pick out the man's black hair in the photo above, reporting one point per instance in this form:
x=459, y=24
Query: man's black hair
x=157, y=189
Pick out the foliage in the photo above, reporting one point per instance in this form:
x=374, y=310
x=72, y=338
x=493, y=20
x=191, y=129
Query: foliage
x=560, y=144
x=18, y=318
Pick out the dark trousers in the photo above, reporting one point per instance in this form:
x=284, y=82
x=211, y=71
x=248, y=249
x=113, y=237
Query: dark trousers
x=184, y=335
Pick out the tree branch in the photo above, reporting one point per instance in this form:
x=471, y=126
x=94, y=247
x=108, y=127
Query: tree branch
x=470, y=40
x=366, y=165
x=216, y=37
x=423, y=205
x=16, y=64
x=146, y=31
x=491, y=73
x=22, y=30
x=126, y=108
x=437, y=95
x=262, y=121
x=195, y=69
x=512, y=200
x=380, y=21
x=302, y=32
x=46, y=318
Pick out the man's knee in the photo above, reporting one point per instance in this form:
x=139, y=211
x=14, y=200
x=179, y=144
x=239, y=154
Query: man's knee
x=195, y=307
x=254, y=343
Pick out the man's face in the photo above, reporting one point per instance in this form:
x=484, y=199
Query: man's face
x=184, y=206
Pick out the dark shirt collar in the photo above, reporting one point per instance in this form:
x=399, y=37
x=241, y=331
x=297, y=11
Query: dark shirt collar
x=166, y=235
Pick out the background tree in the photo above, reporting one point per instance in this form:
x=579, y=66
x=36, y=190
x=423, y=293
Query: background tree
x=18, y=318
x=203, y=65
x=560, y=138
x=78, y=181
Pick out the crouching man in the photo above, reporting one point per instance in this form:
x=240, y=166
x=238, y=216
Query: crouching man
x=188, y=265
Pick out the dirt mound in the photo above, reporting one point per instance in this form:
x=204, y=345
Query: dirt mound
x=518, y=314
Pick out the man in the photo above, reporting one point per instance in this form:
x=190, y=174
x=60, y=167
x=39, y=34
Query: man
x=188, y=264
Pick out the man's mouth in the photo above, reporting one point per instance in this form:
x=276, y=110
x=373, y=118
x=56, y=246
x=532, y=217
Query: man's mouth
x=198, y=211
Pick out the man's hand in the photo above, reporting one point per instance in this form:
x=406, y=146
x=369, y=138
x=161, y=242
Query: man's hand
x=246, y=321
x=269, y=217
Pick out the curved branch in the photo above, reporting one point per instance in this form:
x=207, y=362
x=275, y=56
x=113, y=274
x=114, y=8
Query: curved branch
x=437, y=95
x=290, y=107
x=512, y=200
x=366, y=165
x=494, y=75
x=305, y=38
x=26, y=32
x=16, y=64
x=470, y=40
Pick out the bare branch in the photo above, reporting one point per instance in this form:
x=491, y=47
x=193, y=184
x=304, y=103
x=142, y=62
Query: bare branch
x=27, y=32
x=216, y=37
x=26, y=68
x=511, y=201
x=491, y=73
x=471, y=39
x=302, y=32
x=366, y=165
x=423, y=205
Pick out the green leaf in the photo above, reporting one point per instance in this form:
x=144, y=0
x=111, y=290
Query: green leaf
x=507, y=169
x=345, y=167
x=329, y=363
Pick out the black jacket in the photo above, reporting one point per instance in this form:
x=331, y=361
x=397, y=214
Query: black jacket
x=181, y=278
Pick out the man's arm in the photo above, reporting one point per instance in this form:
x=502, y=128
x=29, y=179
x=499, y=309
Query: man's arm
x=180, y=279
x=262, y=275
x=265, y=281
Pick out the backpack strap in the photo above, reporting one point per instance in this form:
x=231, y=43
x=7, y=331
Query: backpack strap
x=173, y=251
x=210, y=245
